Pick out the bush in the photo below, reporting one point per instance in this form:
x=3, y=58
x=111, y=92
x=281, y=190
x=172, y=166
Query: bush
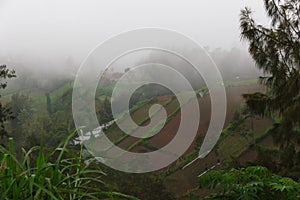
x=253, y=182
x=59, y=174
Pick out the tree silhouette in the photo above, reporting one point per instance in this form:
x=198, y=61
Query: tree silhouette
x=5, y=113
x=276, y=51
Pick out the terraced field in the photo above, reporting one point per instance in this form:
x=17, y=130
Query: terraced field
x=180, y=180
x=183, y=180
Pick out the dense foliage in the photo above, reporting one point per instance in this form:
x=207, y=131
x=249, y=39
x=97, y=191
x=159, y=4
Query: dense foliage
x=276, y=50
x=58, y=174
x=249, y=183
x=5, y=112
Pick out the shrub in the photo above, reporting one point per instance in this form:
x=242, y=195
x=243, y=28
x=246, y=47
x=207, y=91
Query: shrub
x=58, y=174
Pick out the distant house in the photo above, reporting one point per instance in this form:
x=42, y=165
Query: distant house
x=201, y=94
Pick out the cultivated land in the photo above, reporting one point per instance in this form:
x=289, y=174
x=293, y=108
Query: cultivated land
x=235, y=141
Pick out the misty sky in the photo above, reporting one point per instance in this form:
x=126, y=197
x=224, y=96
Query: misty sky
x=46, y=29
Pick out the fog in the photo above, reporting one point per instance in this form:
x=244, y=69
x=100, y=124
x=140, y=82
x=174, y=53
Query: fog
x=51, y=38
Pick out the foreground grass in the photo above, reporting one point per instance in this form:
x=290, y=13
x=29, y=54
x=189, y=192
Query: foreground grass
x=58, y=174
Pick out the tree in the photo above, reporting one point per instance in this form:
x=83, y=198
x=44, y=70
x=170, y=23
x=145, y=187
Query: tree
x=5, y=113
x=276, y=51
x=127, y=69
x=19, y=103
x=105, y=112
x=48, y=102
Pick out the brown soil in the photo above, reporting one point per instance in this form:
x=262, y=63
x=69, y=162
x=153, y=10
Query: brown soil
x=183, y=180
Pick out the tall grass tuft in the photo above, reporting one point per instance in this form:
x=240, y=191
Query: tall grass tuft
x=58, y=174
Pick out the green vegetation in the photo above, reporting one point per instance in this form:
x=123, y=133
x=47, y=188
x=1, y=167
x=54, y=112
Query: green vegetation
x=253, y=182
x=5, y=113
x=242, y=82
x=251, y=165
x=147, y=186
x=276, y=51
x=58, y=174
